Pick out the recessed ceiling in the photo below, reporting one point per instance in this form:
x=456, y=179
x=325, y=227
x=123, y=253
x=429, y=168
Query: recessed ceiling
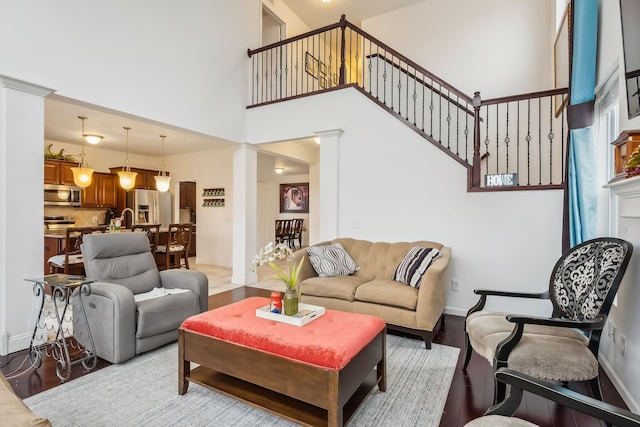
x=316, y=13
x=63, y=125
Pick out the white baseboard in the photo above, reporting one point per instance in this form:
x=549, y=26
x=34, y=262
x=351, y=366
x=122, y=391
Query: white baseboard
x=455, y=311
x=4, y=344
x=619, y=385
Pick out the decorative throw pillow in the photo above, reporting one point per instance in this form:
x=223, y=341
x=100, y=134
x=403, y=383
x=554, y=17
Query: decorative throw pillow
x=414, y=264
x=331, y=260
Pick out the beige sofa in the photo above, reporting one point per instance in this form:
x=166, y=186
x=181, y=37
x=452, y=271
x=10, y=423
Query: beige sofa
x=13, y=411
x=370, y=290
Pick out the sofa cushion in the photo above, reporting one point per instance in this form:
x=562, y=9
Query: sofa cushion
x=13, y=409
x=340, y=287
x=166, y=313
x=414, y=264
x=388, y=292
x=331, y=260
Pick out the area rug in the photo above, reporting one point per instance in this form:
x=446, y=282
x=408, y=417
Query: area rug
x=144, y=392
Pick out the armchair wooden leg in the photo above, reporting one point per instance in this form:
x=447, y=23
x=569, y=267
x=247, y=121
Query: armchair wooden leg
x=499, y=388
x=596, y=391
x=499, y=391
x=469, y=350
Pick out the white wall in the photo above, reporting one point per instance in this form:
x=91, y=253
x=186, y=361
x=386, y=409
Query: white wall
x=209, y=169
x=623, y=371
x=497, y=47
x=395, y=186
x=150, y=58
x=183, y=64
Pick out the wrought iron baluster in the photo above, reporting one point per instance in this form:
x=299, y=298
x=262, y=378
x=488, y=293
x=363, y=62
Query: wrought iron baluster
x=466, y=134
x=518, y=141
x=415, y=95
x=539, y=142
x=424, y=82
x=384, y=78
x=448, y=120
x=391, y=87
x=431, y=108
x=486, y=140
x=377, y=71
x=506, y=141
x=551, y=136
x=400, y=87
x=370, y=67
x=528, y=139
x=440, y=114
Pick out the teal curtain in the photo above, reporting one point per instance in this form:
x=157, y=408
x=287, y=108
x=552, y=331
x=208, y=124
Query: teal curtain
x=581, y=185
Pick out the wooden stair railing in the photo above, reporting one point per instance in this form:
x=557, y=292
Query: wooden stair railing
x=523, y=136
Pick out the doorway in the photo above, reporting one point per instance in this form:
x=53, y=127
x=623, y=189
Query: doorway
x=271, y=61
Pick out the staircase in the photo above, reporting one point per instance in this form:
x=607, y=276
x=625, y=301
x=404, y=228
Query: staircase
x=511, y=143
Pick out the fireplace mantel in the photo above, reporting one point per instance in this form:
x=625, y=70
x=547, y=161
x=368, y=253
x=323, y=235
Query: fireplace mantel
x=628, y=191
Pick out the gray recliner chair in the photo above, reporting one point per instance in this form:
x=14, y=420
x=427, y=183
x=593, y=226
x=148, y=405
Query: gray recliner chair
x=123, y=266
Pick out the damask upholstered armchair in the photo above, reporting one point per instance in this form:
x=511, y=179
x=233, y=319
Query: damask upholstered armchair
x=563, y=347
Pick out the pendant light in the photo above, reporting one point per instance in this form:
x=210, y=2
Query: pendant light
x=82, y=174
x=127, y=178
x=162, y=180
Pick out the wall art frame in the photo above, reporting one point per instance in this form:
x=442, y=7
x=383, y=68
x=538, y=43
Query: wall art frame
x=294, y=198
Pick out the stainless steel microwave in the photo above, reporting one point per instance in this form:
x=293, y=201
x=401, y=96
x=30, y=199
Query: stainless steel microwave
x=61, y=195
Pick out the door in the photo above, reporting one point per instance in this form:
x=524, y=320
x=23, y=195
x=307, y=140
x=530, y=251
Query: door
x=273, y=30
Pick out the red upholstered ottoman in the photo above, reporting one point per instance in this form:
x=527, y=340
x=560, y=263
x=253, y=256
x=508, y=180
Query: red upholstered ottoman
x=316, y=374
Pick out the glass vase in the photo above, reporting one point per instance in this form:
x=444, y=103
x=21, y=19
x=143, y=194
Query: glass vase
x=290, y=302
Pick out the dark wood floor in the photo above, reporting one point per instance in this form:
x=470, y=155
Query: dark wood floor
x=470, y=394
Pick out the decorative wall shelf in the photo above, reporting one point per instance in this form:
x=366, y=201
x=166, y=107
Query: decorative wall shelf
x=213, y=197
x=213, y=192
x=212, y=203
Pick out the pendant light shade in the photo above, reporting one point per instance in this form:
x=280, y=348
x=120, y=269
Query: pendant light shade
x=83, y=173
x=162, y=180
x=127, y=178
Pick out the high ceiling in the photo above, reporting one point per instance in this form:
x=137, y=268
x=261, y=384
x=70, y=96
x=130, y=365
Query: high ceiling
x=316, y=13
x=61, y=114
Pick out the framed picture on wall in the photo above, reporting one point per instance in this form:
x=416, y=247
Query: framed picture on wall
x=294, y=198
x=311, y=65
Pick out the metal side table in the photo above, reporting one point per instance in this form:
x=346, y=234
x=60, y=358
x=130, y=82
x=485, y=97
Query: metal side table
x=51, y=334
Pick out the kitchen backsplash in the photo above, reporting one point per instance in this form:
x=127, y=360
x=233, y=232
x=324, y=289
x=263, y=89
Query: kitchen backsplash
x=83, y=217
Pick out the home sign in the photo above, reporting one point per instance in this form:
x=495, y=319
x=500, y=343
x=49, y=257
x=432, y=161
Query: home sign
x=501, y=180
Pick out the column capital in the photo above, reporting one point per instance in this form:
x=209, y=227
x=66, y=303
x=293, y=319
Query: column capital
x=11, y=83
x=329, y=133
x=245, y=146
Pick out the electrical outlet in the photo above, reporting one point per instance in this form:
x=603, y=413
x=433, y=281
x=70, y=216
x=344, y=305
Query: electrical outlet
x=95, y=219
x=623, y=346
x=455, y=285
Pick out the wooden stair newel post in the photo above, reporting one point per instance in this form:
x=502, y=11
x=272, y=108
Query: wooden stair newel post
x=343, y=66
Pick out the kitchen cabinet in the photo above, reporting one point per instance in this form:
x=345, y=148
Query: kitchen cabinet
x=102, y=193
x=58, y=172
x=187, y=195
x=144, y=180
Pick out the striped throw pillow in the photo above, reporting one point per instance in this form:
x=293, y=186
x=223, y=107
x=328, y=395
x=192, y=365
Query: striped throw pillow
x=414, y=264
x=331, y=260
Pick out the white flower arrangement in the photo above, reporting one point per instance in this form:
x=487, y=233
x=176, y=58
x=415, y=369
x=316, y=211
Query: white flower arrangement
x=270, y=253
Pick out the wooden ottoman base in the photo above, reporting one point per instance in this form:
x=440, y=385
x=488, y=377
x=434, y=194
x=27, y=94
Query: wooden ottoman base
x=302, y=392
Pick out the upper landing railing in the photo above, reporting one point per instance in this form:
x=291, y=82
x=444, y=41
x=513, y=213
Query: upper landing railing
x=511, y=143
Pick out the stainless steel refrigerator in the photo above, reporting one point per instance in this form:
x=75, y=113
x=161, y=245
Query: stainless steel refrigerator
x=149, y=207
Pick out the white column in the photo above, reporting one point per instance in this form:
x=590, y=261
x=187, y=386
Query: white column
x=21, y=207
x=327, y=227
x=245, y=195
